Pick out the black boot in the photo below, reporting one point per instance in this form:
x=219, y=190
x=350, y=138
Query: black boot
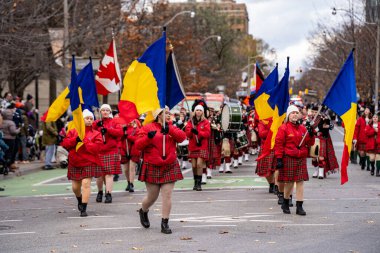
x=362, y=162
x=280, y=196
x=115, y=177
x=144, y=220
x=275, y=190
x=291, y=201
x=271, y=188
x=355, y=157
x=195, y=182
x=80, y=207
x=199, y=183
x=99, y=197
x=378, y=168
x=372, y=168
x=108, y=198
x=368, y=163
x=285, y=206
x=128, y=187
x=300, y=210
x=352, y=156
x=132, y=188
x=83, y=212
x=165, y=226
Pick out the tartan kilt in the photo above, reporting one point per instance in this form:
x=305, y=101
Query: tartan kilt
x=267, y=165
x=295, y=170
x=79, y=173
x=215, y=151
x=361, y=147
x=111, y=164
x=125, y=160
x=248, y=133
x=154, y=174
x=199, y=154
x=326, y=150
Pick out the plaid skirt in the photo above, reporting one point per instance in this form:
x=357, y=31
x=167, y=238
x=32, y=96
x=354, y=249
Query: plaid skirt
x=79, y=173
x=361, y=147
x=125, y=160
x=326, y=150
x=295, y=170
x=160, y=174
x=267, y=165
x=199, y=154
x=111, y=164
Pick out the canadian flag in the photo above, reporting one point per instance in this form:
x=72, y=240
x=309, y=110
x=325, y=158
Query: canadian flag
x=108, y=77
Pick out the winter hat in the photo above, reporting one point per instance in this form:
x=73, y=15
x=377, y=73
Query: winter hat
x=157, y=112
x=87, y=113
x=29, y=97
x=199, y=107
x=106, y=106
x=291, y=108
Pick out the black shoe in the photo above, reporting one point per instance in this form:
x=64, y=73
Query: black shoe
x=362, y=162
x=378, y=172
x=275, y=190
x=80, y=206
x=300, y=210
x=199, y=184
x=128, y=187
x=131, y=188
x=195, y=183
x=108, y=198
x=48, y=167
x=116, y=178
x=285, y=206
x=99, y=197
x=290, y=201
x=271, y=188
x=6, y=171
x=144, y=220
x=83, y=212
x=165, y=226
x=1, y=189
x=372, y=168
x=280, y=198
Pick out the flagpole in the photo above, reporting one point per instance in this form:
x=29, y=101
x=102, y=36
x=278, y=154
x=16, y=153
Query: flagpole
x=101, y=119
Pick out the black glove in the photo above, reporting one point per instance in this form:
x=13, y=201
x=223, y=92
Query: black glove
x=125, y=131
x=78, y=139
x=279, y=164
x=151, y=134
x=165, y=130
x=100, y=123
x=199, y=143
x=194, y=131
x=103, y=130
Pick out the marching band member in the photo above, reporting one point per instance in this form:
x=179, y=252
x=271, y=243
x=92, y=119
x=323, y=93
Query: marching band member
x=111, y=134
x=291, y=157
x=372, y=146
x=183, y=151
x=215, y=144
x=227, y=150
x=198, y=135
x=159, y=172
x=84, y=163
x=360, y=138
x=252, y=133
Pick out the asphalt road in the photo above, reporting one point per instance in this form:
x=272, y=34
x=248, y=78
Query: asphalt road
x=228, y=216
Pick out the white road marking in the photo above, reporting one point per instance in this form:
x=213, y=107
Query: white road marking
x=177, y=214
x=91, y=217
x=50, y=180
x=9, y=220
x=19, y=233
x=271, y=221
x=308, y=224
x=117, y=228
x=357, y=212
x=200, y=226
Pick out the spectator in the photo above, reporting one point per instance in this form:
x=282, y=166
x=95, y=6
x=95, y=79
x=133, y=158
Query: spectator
x=7, y=100
x=31, y=111
x=22, y=151
x=49, y=139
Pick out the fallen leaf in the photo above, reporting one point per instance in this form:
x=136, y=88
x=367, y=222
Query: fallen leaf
x=271, y=208
x=202, y=250
x=156, y=210
x=370, y=221
x=34, y=190
x=83, y=225
x=106, y=242
x=186, y=238
x=118, y=240
x=257, y=240
x=61, y=211
x=181, y=221
x=272, y=242
x=223, y=232
x=53, y=251
x=64, y=233
x=75, y=246
x=135, y=248
x=14, y=201
x=35, y=216
x=261, y=232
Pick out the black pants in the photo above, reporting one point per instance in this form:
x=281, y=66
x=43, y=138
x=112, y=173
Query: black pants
x=10, y=154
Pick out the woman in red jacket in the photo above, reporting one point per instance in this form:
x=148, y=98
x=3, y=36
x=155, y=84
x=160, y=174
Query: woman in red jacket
x=133, y=155
x=291, y=157
x=198, y=135
x=159, y=171
x=84, y=163
x=360, y=138
x=111, y=133
x=371, y=130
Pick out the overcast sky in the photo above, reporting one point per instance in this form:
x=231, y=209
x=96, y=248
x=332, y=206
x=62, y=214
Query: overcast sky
x=286, y=24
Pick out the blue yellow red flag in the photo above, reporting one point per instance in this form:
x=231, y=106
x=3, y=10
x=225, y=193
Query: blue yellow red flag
x=341, y=99
x=175, y=91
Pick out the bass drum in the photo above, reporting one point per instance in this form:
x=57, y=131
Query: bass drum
x=314, y=150
x=231, y=118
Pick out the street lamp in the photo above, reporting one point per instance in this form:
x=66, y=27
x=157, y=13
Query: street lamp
x=218, y=38
x=192, y=15
x=377, y=39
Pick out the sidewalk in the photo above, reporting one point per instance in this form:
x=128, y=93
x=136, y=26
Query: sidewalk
x=28, y=168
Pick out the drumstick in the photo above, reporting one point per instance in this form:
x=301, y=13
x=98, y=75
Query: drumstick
x=303, y=138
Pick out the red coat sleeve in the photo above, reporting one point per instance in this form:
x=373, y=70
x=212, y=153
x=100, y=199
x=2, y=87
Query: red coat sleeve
x=357, y=129
x=115, y=130
x=206, y=131
x=94, y=145
x=177, y=134
x=263, y=130
x=279, y=145
x=188, y=128
x=142, y=140
x=70, y=142
x=369, y=131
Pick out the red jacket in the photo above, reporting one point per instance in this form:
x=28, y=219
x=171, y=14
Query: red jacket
x=153, y=148
x=288, y=137
x=132, y=134
x=204, y=133
x=112, y=136
x=87, y=154
x=373, y=139
x=359, y=133
x=264, y=130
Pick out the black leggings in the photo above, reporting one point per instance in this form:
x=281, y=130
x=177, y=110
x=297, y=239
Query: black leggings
x=10, y=154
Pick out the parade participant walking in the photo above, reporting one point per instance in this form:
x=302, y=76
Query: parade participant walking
x=159, y=171
x=84, y=163
x=373, y=144
x=360, y=138
x=215, y=145
x=198, y=135
x=110, y=158
x=291, y=157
